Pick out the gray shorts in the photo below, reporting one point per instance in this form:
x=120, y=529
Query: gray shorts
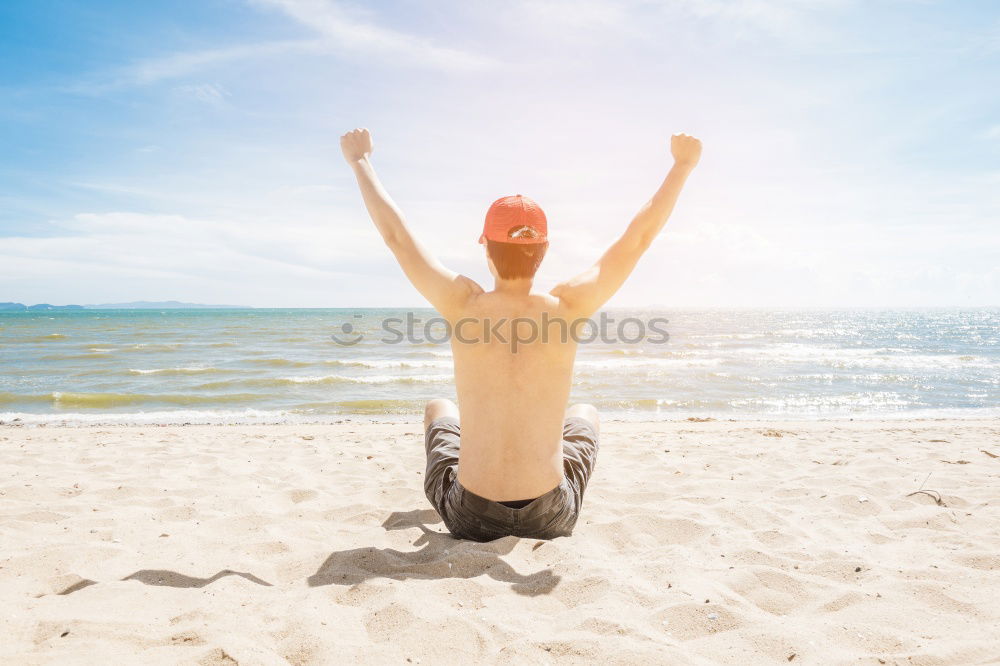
x=469, y=516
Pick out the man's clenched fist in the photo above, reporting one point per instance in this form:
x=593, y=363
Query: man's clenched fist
x=686, y=149
x=356, y=144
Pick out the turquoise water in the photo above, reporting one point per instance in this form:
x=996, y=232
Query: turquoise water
x=275, y=365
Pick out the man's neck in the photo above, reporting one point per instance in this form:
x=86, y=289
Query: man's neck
x=518, y=287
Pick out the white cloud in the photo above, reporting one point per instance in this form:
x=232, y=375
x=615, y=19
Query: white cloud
x=336, y=33
x=789, y=20
x=178, y=65
x=578, y=14
x=782, y=17
x=207, y=93
x=132, y=256
x=344, y=32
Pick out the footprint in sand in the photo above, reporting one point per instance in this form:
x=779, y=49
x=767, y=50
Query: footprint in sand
x=687, y=621
x=187, y=638
x=300, y=495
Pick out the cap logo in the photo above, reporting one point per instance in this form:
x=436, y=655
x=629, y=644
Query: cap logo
x=523, y=231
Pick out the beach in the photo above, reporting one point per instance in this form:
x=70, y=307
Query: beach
x=700, y=542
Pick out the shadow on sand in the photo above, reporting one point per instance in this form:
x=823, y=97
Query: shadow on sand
x=173, y=579
x=440, y=556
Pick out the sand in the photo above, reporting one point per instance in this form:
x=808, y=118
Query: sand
x=699, y=543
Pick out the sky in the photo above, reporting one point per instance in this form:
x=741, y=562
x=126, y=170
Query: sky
x=188, y=150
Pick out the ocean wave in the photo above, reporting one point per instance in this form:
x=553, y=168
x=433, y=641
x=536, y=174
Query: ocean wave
x=632, y=365
x=626, y=352
x=912, y=361
x=21, y=398
x=75, y=357
x=800, y=405
x=277, y=382
x=804, y=332
x=848, y=402
x=632, y=403
x=363, y=406
x=373, y=379
x=62, y=399
x=834, y=357
x=50, y=337
x=389, y=363
x=181, y=371
x=278, y=362
x=730, y=336
x=154, y=347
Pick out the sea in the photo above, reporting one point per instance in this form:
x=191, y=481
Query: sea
x=326, y=365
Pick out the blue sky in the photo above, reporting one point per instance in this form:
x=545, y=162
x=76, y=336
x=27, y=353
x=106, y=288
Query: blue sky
x=188, y=150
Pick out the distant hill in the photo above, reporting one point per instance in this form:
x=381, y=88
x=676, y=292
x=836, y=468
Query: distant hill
x=40, y=306
x=135, y=305
x=162, y=305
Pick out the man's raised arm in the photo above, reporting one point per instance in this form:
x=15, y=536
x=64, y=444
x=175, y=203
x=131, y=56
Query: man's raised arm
x=445, y=289
x=587, y=292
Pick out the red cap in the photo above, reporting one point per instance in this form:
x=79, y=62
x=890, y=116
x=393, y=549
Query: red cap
x=507, y=214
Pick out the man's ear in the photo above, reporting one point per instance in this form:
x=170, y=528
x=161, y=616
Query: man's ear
x=489, y=262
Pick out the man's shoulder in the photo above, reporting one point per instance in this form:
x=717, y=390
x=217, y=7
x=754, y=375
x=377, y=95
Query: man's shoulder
x=471, y=285
x=547, y=300
x=466, y=292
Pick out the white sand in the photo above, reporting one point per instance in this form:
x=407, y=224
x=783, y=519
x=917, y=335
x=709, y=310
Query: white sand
x=716, y=542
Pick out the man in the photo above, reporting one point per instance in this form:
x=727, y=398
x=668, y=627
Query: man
x=520, y=461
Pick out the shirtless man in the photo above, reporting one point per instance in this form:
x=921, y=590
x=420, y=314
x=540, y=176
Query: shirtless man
x=520, y=463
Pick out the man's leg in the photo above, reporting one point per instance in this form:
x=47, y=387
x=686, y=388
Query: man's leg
x=440, y=407
x=441, y=442
x=585, y=411
x=580, y=445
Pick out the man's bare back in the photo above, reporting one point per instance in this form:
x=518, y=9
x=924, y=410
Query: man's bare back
x=513, y=399
x=512, y=403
